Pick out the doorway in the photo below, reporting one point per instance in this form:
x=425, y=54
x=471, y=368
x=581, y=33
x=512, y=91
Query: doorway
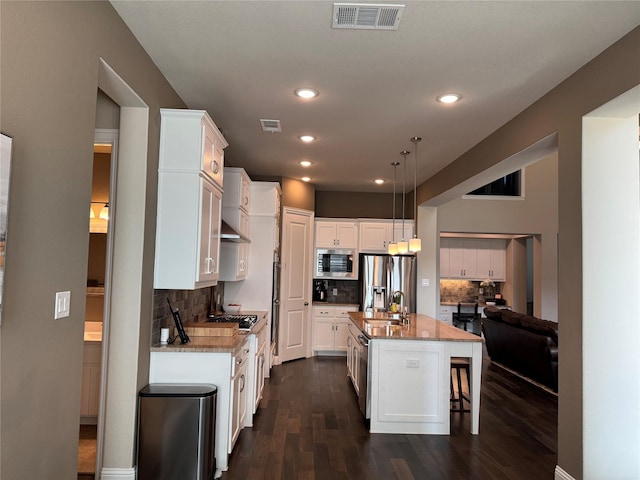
x=96, y=312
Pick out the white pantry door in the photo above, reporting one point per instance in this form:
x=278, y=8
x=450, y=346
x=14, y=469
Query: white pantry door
x=295, y=313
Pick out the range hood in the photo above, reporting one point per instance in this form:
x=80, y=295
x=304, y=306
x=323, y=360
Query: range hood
x=229, y=234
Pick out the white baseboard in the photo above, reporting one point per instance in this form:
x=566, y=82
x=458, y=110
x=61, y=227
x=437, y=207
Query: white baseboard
x=560, y=474
x=118, y=474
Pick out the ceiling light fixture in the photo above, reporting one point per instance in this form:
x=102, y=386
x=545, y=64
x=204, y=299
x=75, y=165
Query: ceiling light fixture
x=307, y=138
x=104, y=211
x=415, y=244
x=449, y=97
x=403, y=245
x=392, y=248
x=379, y=181
x=305, y=163
x=306, y=179
x=306, y=93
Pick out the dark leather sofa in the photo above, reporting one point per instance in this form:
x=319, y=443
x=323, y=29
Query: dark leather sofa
x=523, y=343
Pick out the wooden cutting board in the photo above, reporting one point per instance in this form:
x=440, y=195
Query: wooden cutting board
x=211, y=329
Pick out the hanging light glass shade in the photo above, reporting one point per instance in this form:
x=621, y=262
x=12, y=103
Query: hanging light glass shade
x=104, y=212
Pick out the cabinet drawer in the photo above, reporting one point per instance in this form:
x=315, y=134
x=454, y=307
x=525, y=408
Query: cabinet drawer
x=343, y=312
x=323, y=311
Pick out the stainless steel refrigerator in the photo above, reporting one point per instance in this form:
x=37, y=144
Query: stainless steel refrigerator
x=381, y=276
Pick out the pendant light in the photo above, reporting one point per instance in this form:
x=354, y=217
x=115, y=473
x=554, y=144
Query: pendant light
x=403, y=246
x=104, y=212
x=392, y=248
x=415, y=244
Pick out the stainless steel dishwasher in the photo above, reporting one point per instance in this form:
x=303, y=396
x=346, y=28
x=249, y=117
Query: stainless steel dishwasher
x=176, y=432
x=364, y=381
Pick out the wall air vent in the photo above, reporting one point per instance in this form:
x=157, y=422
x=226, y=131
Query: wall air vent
x=270, y=125
x=369, y=16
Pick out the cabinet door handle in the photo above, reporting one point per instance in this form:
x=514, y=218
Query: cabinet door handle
x=243, y=383
x=215, y=166
x=306, y=304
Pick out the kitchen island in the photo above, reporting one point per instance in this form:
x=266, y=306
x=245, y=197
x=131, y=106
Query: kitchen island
x=409, y=371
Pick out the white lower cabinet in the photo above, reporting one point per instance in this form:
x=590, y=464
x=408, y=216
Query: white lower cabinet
x=353, y=355
x=331, y=327
x=446, y=313
x=228, y=371
x=257, y=365
x=90, y=394
x=409, y=386
x=239, y=384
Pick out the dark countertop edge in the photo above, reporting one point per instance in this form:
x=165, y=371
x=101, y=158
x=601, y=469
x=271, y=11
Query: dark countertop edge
x=239, y=339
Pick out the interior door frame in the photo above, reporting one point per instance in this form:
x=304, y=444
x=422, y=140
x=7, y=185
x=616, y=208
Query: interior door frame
x=106, y=136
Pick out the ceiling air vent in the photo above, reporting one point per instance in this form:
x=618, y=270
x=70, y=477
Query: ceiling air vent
x=270, y=125
x=376, y=16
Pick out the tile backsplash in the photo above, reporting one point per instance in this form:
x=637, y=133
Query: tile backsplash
x=193, y=306
x=347, y=291
x=462, y=291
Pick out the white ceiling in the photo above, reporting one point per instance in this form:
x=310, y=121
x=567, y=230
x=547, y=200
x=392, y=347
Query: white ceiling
x=242, y=60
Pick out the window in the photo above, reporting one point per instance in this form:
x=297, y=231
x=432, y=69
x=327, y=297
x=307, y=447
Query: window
x=508, y=186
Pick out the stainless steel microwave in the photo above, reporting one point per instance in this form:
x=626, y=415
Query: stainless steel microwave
x=339, y=263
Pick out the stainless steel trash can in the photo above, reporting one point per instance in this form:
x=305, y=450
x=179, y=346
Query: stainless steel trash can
x=176, y=432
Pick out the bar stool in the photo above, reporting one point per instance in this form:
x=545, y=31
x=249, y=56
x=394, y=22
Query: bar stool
x=458, y=364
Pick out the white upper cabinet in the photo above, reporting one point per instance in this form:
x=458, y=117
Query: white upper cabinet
x=189, y=201
x=236, y=202
x=492, y=259
x=237, y=189
x=463, y=261
x=473, y=258
x=187, y=232
x=191, y=142
x=336, y=234
x=375, y=236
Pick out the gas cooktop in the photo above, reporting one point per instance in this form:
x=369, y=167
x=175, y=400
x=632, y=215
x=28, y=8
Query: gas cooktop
x=244, y=321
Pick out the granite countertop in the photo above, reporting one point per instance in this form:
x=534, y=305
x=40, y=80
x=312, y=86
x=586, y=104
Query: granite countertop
x=421, y=327
x=216, y=344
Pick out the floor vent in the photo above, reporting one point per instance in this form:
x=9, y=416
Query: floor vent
x=367, y=16
x=270, y=125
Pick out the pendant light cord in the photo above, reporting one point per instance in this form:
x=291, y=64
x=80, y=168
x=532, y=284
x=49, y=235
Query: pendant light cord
x=415, y=140
x=404, y=153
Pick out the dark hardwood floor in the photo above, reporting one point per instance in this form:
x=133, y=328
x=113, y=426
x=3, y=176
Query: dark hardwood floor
x=308, y=426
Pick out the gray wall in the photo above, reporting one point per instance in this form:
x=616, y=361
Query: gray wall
x=50, y=56
x=561, y=110
x=537, y=214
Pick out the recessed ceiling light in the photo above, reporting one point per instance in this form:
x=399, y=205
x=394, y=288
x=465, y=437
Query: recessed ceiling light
x=305, y=163
x=379, y=181
x=306, y=179
x=306, y=92
x=307, y=138
x=449, y=97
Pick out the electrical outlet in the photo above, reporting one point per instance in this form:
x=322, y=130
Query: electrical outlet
x=335, y=291
x=425, y=282
x=413, y=363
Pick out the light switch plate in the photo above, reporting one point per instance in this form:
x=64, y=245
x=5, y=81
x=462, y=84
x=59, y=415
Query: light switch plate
x=63, y=305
